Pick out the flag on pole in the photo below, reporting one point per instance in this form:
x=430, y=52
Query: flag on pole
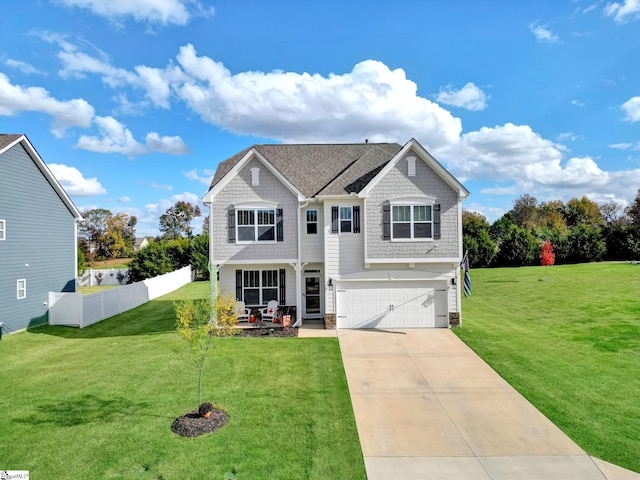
x=467, y=278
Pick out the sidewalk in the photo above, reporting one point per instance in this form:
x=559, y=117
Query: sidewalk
x=427, y=407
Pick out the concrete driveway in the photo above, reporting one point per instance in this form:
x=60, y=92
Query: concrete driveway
x=427, y=407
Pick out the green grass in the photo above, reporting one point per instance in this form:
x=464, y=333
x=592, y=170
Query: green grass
x=567, y=338
x=99, y=403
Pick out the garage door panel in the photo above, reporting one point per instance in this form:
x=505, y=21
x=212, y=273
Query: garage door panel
x=390, y=305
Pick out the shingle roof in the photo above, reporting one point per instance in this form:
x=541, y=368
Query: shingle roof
x=330, y=169
x=7, y=139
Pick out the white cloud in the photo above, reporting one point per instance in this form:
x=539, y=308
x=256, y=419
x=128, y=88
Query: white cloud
x=371, y=102
x=621, y=12
x=632, y=109
x=124, y=199
x=515, y=153
x=116, y=138
x=74, y=182
x=577, y=103
x=204, y=177
x=543, y=34
x=626, y=146
x=171, y=145
x=157, y=186
x=70, y=113
x=163, y=12
x=24, y=67
x=470, y=97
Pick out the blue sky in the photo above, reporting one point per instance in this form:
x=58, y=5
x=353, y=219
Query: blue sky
x=133, y=103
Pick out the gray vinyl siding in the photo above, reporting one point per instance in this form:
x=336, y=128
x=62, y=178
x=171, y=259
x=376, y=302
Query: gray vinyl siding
x=240, y=190
x=397, y=183
x=40, y=232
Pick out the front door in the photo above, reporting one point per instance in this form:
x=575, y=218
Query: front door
x=312, y=296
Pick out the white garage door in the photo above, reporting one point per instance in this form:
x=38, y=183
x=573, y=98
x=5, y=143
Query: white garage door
x=391, y=305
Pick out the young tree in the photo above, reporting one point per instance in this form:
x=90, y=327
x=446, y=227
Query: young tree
x=198, y=327
x=547, y=257
x=176, y=221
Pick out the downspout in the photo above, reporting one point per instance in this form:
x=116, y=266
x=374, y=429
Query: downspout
x=298, y=267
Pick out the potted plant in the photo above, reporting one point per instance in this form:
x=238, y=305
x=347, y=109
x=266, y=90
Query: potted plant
x=205, y=410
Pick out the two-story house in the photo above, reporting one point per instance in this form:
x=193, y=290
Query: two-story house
x=38, y=240
x=360, y=235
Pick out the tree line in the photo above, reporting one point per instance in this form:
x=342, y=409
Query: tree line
x=579, y=231
x=103, y=235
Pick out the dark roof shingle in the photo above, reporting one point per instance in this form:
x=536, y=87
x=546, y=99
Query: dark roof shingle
x=329, y=169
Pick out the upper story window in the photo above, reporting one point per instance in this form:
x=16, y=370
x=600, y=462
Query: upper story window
x=256, y=225
x=21, y=288
x=312, y=222
x=345, y=219
x=3, y=230
x=411, y=222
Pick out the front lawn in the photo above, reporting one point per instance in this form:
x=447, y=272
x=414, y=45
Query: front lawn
x=568, y=339
x=99, y=403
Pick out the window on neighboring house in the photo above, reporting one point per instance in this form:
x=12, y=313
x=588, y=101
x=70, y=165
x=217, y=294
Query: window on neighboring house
x=411, y=222
x=312, y=222
x=345, y=219
x=22, y=288
x=3, y=229
x=258, y=287
x=256, y=225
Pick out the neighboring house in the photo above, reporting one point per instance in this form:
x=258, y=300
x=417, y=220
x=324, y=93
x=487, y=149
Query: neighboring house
x=140, y=243
x=38, y=240
x=361, y=235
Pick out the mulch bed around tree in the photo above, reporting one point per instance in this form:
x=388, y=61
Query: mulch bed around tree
x=269, y=332
x=192, y=424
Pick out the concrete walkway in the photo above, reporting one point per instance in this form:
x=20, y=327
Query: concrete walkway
x=427, y=407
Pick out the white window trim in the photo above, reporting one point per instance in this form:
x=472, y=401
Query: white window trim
x=3, y=230
x=412, y=203
x=256, y=225
x=21, y=291
x=262, y=287
x=307, y=222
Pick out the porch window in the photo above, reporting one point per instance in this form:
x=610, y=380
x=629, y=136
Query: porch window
x=259, y=286
x=312, y=222
x=21, y=288
x=256, y=225
x=3, y=230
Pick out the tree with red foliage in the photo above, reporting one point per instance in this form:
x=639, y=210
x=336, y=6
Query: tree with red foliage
x=547, y=257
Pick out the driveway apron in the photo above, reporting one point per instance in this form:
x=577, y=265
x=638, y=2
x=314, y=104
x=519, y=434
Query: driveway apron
x=427, y=407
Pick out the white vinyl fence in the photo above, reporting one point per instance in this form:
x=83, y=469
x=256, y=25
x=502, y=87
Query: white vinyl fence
x=76, y=310
x=107, y=276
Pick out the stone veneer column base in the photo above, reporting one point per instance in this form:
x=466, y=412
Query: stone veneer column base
x=454, y=319
x=330, y=321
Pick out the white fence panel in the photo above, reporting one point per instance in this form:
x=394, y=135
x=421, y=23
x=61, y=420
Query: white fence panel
x=77, y=310
x=91, y=309
x=109, y=277
x=68, y=309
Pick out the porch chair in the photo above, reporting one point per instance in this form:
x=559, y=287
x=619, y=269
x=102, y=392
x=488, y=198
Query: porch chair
x=242, y=312
x=271, y=311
